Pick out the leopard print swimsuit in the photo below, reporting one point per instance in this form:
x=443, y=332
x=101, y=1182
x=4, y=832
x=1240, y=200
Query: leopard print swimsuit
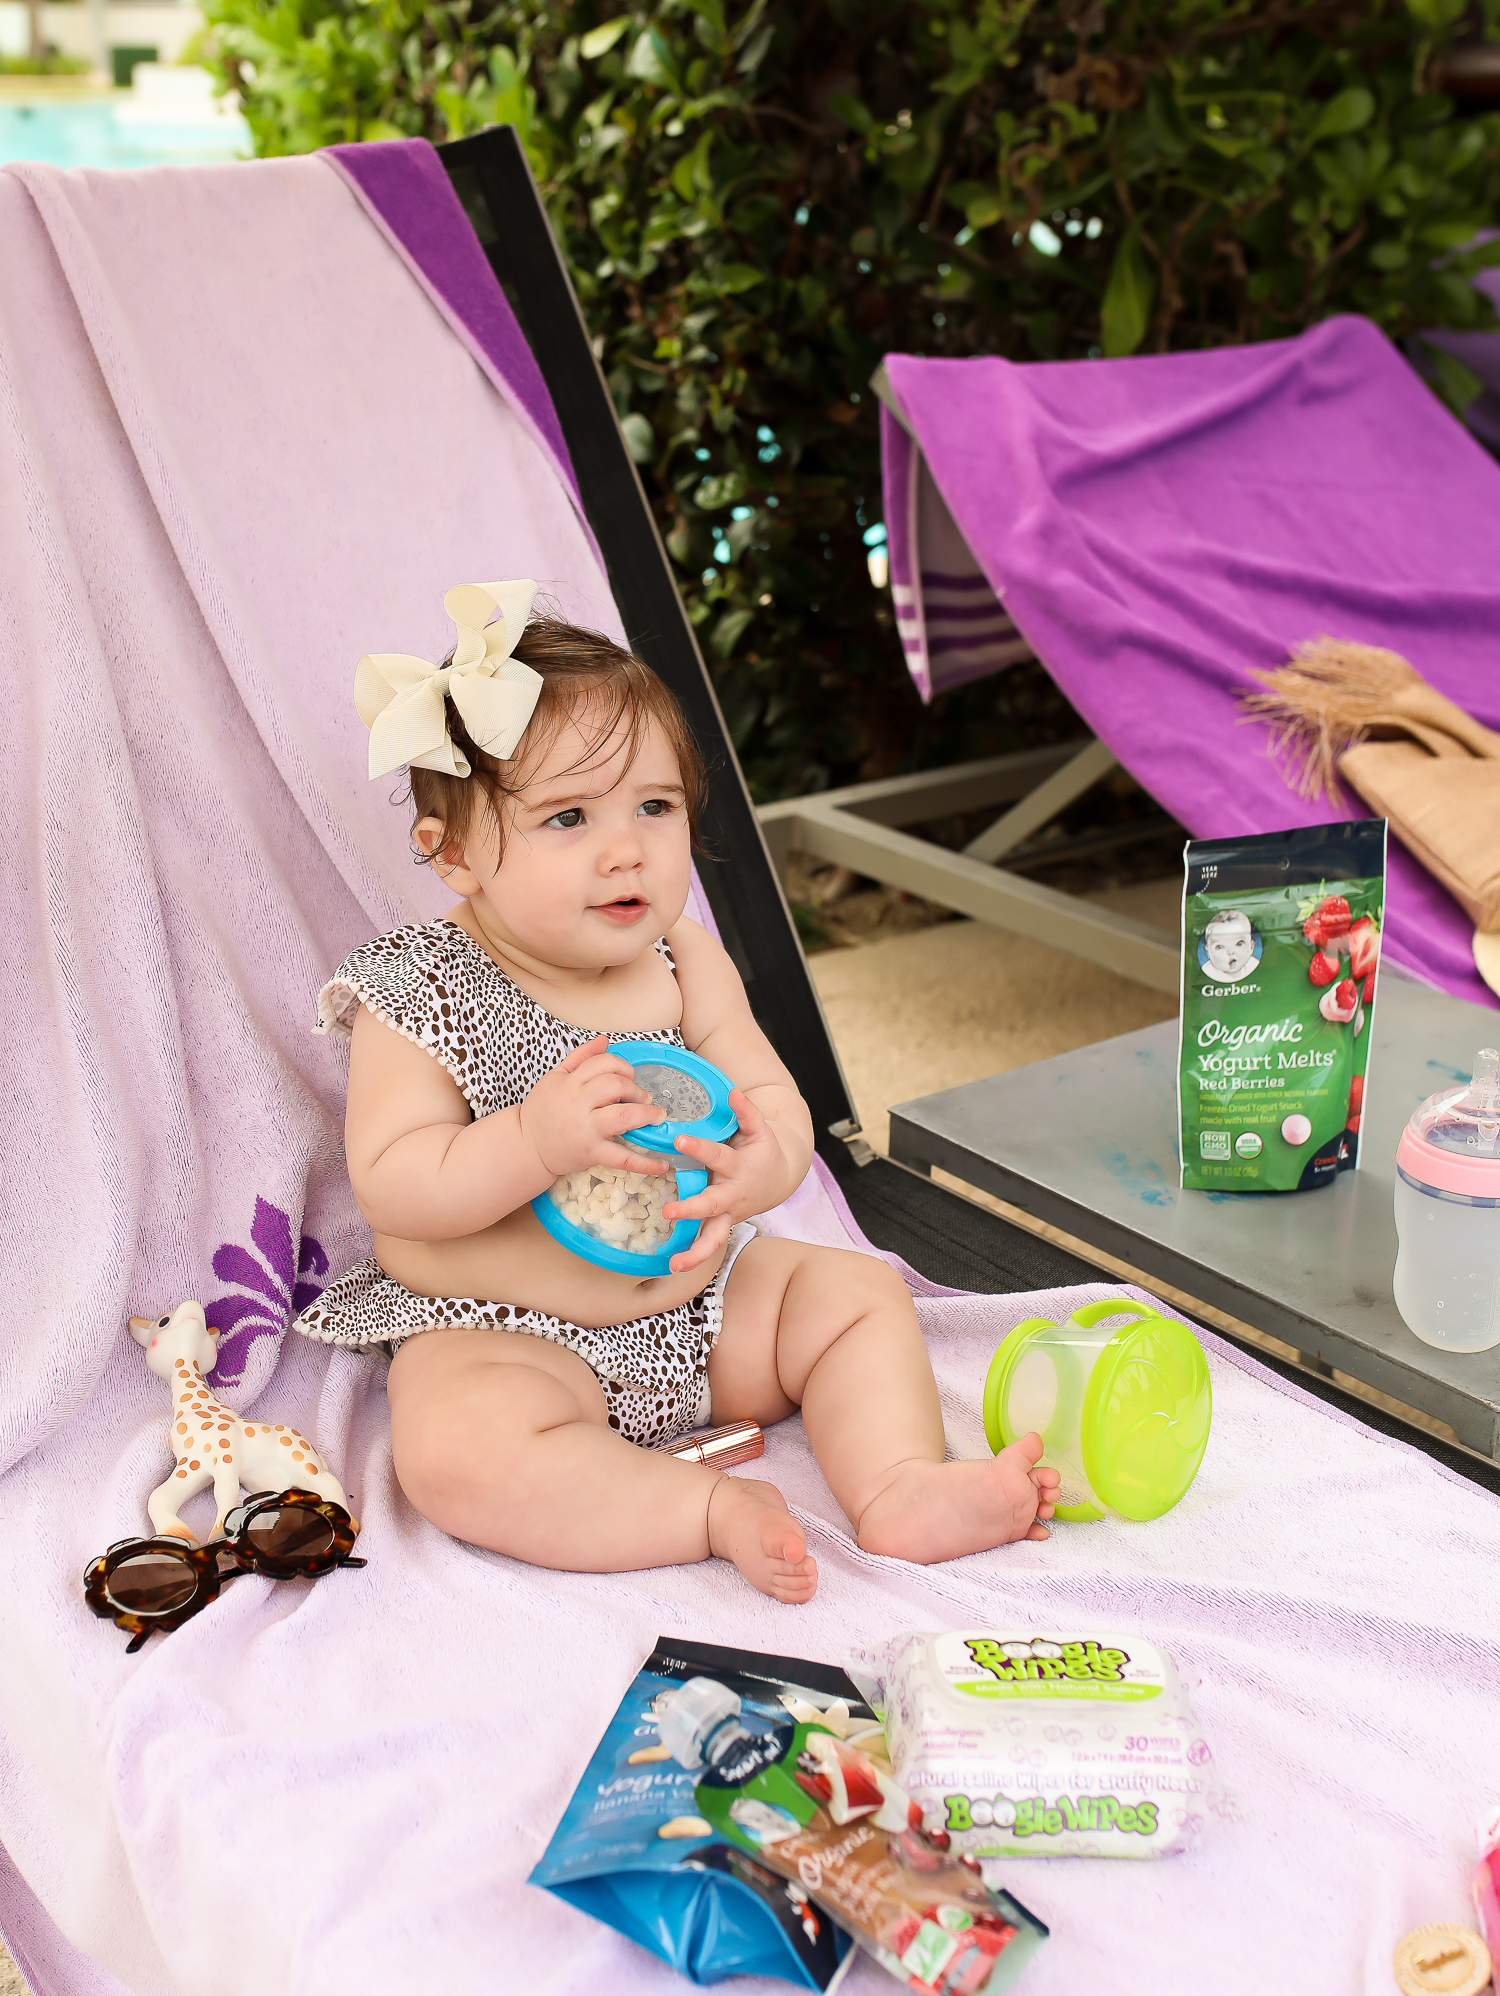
x=434, y=985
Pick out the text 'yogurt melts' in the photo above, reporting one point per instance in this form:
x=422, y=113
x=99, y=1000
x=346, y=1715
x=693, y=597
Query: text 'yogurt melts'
x=1053, y=1745
x=623, y=1208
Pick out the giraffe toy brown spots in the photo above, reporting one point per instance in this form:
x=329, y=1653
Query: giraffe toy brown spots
x=210, y=1442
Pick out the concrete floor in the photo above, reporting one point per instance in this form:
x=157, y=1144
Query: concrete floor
x=914, y=1013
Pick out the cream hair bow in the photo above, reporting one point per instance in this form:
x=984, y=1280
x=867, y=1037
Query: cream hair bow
x=400, y=699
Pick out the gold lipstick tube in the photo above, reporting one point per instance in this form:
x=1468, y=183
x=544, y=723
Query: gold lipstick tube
x=720, y=1448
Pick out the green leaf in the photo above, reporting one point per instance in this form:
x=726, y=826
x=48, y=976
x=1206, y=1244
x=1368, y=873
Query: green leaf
x=719, y=491
x=1128, y=296
x=1456, y=384
x=728, y=631
x=599, y=41
x=851, y=111
x=692, y=174
x=1436, y=14
x=650, y=60
x=640, y=438
x=1456, y=234
x=1344, y=113
x=754, y=52
x=711, y=11
x=1390, y=256
x=737, y=277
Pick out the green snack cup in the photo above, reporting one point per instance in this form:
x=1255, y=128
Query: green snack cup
x=1123, y=1410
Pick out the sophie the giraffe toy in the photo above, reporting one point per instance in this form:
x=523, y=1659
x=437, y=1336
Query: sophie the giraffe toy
x=211, y=1442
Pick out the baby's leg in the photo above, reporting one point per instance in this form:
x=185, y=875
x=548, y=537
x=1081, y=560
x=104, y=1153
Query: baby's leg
x=836, y=1333
x=502, y=1439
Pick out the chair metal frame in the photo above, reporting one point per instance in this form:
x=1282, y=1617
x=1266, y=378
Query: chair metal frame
x=861, y=826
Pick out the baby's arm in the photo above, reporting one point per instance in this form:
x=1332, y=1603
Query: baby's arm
x=769, y=1158
x=424, y=1169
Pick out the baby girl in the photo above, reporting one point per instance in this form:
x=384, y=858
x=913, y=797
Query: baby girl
x=556, y=789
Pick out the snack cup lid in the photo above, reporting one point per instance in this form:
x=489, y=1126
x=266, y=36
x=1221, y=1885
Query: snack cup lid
x=1146, y=1416
x=716, y=1124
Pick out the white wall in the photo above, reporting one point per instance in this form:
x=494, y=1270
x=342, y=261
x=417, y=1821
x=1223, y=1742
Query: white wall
x=74, y=28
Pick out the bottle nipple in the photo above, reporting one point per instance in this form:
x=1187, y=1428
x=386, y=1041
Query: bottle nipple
x=1485, y=1087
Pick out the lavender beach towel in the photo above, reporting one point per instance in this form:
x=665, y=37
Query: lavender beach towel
x=1157, y=527
x=242, y=440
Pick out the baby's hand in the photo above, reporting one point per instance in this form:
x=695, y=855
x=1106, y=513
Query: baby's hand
x=747, y=1176
x=573, y=1112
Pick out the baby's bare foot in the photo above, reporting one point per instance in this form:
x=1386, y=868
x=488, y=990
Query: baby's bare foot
x=940, y=1510
x=749, y=1523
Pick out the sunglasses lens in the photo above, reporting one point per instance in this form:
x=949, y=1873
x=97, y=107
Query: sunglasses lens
x=152, y=1583
x=291, y=1534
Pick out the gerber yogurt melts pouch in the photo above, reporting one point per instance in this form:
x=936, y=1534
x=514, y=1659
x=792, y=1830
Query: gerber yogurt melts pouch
x=1280, y=952
x=1078, y=1744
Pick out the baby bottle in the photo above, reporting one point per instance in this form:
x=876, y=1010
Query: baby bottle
x=613, y=1217
x=1447, y=1279
x=1122, y=1409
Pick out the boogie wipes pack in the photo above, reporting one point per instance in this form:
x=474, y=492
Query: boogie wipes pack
x=1280, y=952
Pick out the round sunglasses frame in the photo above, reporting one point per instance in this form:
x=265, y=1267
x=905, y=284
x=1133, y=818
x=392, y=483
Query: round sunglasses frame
x=221, y=1560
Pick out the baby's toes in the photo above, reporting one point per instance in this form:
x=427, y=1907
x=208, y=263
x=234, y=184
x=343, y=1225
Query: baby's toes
x=781, y=1541
x=795, y=1583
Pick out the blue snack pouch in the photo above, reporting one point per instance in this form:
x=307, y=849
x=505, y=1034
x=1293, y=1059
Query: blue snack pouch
x=633, y=1850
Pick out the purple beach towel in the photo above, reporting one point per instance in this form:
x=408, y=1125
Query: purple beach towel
x=1155, y=527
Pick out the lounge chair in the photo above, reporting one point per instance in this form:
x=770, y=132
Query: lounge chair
x=1153, y=529
x=256, y=418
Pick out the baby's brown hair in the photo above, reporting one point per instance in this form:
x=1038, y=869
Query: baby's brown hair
x=578, y=666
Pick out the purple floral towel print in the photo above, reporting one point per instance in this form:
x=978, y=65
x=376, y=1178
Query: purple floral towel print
x=275, y=1294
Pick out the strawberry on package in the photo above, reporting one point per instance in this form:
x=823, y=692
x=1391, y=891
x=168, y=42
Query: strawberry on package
x=1280, y=957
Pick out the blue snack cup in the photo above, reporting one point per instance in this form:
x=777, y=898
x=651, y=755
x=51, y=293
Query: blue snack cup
x=611, y=1217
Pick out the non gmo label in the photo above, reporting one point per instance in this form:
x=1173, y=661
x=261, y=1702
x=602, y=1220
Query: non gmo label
x=930, y=1952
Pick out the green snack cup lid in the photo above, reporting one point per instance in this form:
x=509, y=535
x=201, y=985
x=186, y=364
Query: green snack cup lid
x=1146, y=1416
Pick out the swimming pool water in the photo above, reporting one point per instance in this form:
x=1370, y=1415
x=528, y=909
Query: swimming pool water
x=87, y=132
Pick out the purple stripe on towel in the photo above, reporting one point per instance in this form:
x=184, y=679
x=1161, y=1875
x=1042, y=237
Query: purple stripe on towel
x=940, y=613
x=404, y=182
x=975, y=642
x=931, y=579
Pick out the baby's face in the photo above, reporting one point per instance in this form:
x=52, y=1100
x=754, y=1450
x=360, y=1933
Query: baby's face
x=1229, y=945
x=597, y=860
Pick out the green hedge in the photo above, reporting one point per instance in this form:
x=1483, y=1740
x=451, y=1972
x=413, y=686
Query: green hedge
x=757, y=201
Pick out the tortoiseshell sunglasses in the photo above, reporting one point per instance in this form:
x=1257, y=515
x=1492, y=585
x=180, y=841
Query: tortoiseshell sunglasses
x=143, y=1585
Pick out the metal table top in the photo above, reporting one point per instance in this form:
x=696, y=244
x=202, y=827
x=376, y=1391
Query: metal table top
x=1088, y=1142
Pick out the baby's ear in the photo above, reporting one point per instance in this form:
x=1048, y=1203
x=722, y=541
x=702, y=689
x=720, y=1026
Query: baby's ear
x=435, y=842
x=449, y=860
x=430, y=835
